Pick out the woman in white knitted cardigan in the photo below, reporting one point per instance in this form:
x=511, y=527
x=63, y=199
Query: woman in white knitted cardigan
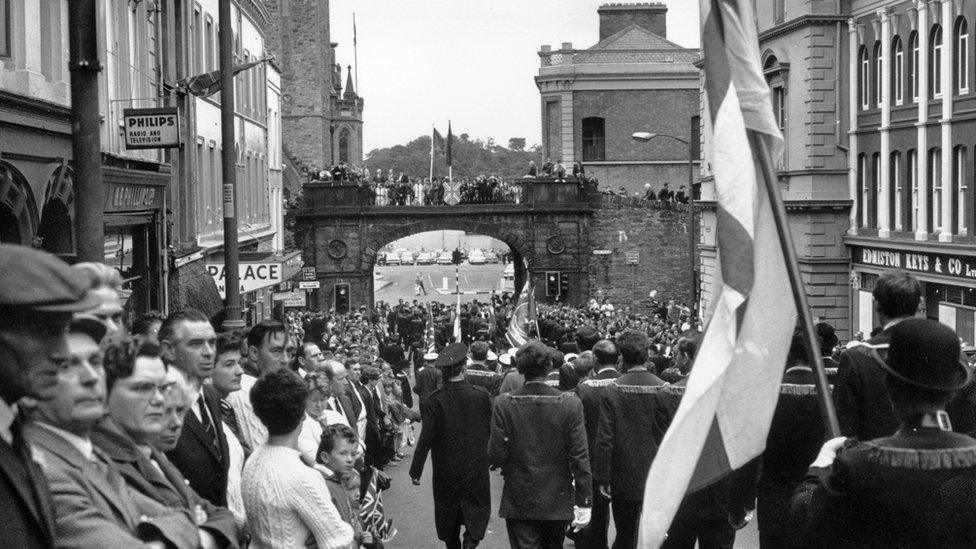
x=287, y=503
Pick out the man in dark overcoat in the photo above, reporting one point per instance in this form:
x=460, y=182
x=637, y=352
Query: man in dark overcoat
x=456, y=420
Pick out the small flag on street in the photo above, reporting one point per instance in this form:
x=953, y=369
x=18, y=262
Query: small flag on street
x=731, y=395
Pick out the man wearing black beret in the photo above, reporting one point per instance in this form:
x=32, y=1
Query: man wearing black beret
x=455, y=430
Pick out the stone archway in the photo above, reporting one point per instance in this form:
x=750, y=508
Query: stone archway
x=55, y=231
x=18, y=210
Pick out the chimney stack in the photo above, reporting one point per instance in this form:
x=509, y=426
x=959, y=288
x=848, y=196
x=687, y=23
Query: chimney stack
x=652, y=16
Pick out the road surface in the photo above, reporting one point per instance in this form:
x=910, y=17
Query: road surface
x=476, y=282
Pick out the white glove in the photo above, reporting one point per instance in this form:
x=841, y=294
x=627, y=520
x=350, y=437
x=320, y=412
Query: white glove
x=828, y=452
x=581, y=517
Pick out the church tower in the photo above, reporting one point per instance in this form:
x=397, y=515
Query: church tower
x=348, y=124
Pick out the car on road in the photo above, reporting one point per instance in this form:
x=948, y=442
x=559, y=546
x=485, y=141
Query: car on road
x=425, y=258
x=392, y=258
x=444, y=258
x=406, y=258
x=476, y=258
x=491, y=257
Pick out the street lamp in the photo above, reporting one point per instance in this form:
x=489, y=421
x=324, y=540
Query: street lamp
x=647, y=136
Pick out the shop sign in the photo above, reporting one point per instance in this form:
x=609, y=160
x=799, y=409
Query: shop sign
x=306, y=285
x=151, y=128
x=954, y=266
x=253, y=276
x=121, y=198
x=602, y=252
x=308, y=273
x=633, y=258
x=292, y=299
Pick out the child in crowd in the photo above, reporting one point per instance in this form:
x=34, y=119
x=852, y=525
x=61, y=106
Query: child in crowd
x=336, y=457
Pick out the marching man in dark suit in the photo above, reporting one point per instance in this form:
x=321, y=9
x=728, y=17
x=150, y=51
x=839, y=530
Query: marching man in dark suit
x=539, y=441
x=38, y=293
x=456, y=421
x=189, y=345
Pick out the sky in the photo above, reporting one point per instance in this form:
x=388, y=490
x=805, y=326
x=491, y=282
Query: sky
x=472, y=62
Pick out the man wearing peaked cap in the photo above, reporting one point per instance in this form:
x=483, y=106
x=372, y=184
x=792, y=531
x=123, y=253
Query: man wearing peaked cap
x=455, y=431
x=428, y=379
x=38, y=294
x=913, y=488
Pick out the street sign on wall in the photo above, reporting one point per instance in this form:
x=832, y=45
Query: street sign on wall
x=292, y=299
x=306, y=285
x=308, y=273
x=151, y=128
x=633, y=258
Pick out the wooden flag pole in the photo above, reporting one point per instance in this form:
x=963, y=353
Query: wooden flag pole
x=796, y=283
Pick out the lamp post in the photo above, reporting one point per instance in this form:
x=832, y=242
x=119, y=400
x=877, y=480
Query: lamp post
x=647, y=136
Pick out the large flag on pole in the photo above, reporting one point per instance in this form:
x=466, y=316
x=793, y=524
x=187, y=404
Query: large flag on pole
x=728, y=404
x=522, y=317
x=206, y=84
x=450, y=142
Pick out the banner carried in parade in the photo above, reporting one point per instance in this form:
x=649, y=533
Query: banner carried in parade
x=523, y=316
x=731, y=395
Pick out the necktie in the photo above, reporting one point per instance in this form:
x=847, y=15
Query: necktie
x=208, y=424
x=230, y=418
x=338, y=407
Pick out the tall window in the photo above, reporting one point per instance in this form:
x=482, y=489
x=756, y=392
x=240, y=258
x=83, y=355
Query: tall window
x=913, y=46
x=896, y=191
x=960, y=189
x=911, y=201
x=862, y=189
x=878, y=64
x=898, y=72
x=935, y=62
x=865, y=79
x=779, y=106
x=960, y=74
x=197, y=41
x=211, y=65
x=875, y=192
x=935, y=189
x=4, y=28
x=344, y=145
x=594, y=129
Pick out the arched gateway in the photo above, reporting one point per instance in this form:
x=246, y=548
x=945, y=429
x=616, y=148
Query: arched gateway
x=592, y=240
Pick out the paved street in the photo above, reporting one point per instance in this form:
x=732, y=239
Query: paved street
x=476, y=281
x=412, y=509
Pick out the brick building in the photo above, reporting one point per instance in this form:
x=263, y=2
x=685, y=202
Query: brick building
x=322, y=123
x=632, y=80
x=912, y=92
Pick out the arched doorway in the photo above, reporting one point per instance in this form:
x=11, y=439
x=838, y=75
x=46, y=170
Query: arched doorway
x=55, y=232
x=18, y=210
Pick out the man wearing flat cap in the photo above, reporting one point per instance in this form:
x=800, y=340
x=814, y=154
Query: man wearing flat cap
x=38, y=294
x=456, y=421
x=910, y=489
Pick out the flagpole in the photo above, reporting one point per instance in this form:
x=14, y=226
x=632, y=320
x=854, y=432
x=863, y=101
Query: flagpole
x=796, y=283
x=355, y=50
x=432, y=129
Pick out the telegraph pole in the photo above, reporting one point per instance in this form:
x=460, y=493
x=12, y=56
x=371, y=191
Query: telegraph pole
x=232, y=284
x=86, y=148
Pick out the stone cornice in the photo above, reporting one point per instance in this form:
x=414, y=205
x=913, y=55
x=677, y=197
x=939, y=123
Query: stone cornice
x=799, y=22
x=257, y=12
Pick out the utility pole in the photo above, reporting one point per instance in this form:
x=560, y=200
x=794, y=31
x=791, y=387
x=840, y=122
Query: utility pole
x=232, y=284
x=86, y=147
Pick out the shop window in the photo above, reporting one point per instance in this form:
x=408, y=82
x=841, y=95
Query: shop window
x=864, y=79
x=896, y=189
x=868, y=281
x=960, y=69
x=594, y=129
x=935, y=62
x=876, y=84
x=898, y=72
x=913, y=69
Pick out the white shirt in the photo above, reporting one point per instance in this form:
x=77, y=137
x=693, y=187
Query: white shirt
x=8, y=414
x=235, y=502
x=83, y=445
x=286, y=501
x=252, y=430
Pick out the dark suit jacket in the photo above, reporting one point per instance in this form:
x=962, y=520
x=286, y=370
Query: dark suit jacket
x=25, y=515
x=590, y=391
x=165, y=485
x=538, y=439
x=863, y=407
x=349, y=409
x=630, y=429
x=95, y=508
x=203, y=463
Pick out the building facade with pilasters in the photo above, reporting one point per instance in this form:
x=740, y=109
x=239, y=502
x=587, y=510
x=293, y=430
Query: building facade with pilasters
x=912, y=117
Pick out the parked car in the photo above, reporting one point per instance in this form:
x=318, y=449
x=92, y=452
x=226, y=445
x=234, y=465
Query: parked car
x=425, y=258
x=406, y=258
x=476, y=258
x=392, y=258
x=444, y=258
x=491, y=257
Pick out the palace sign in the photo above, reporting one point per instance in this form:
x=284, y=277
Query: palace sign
x=253, y=276
x=151, y=128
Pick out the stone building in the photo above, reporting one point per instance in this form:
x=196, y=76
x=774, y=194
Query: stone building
x=633, y=79
x=803, y=47
x=322, y=123
x=913, y=87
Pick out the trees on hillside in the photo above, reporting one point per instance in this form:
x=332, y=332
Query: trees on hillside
x=471, y=158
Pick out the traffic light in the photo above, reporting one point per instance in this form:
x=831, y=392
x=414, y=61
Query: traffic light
x=456, y=256
x=552, y=283
x=342, y=298
x=563, y=284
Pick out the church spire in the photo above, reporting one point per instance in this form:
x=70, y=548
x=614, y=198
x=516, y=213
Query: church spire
x=350, y=91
